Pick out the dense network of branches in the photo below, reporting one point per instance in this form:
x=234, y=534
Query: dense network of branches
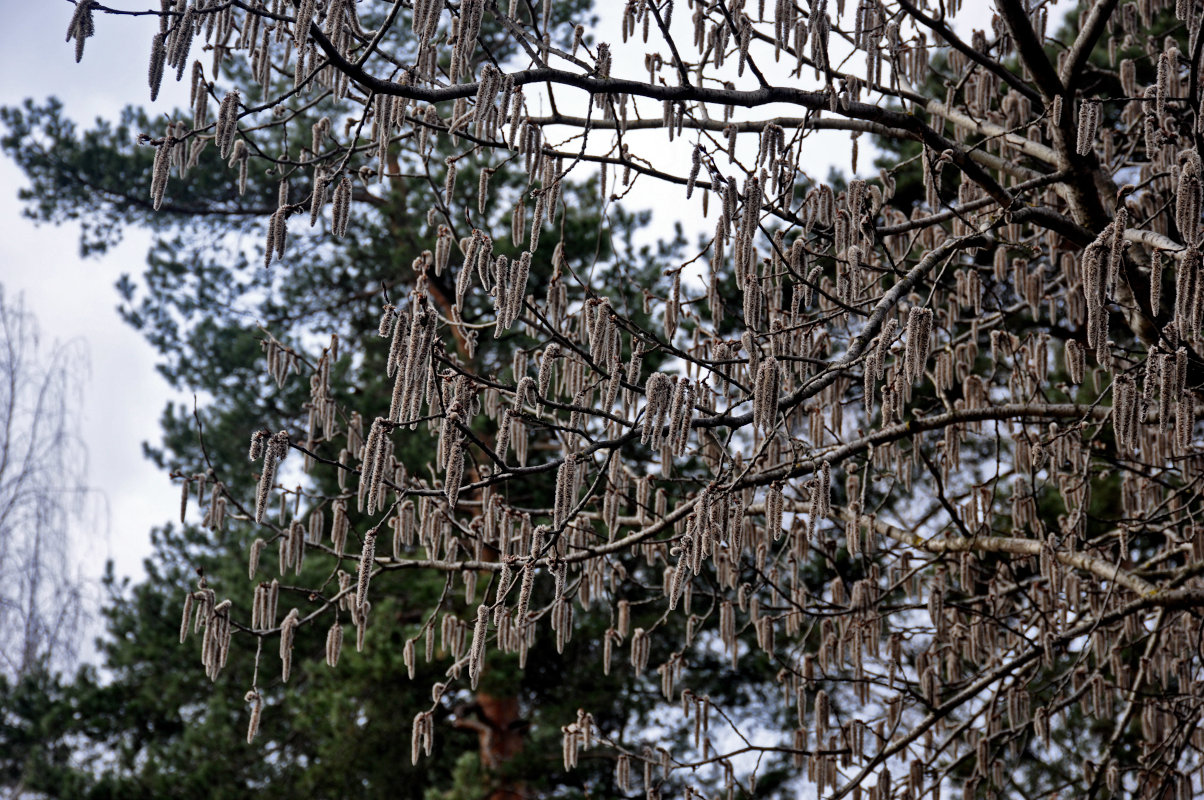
x=923, y=445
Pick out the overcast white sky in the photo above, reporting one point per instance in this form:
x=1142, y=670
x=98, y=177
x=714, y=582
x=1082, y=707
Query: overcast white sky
x=73, y=298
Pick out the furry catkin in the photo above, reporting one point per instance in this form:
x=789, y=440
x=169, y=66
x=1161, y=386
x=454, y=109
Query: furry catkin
x=342, y=207
x=919, y=334
x=1089, y=118
x=765, y=395
x=255, y=700
x=476, y=657
x=334, y=644
x=227, y=123
x=367, y=562
x=161, y=170
x=288, y=631
x=273, y=450
x=81, y=26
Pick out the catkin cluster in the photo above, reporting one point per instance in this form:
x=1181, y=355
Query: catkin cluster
x=288, y=632
x=272, y=448
x=161, y=170
x=1089, y=119
x=264, y=604
x=212, y=620
x=1019, y=242
x=919, y=338
x=412, y=336
x=765, y=395
x=376, y=466
x=423, y=735
x=82, y=26
x=658, y=391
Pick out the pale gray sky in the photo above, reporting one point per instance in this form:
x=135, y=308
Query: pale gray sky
x=75, y=299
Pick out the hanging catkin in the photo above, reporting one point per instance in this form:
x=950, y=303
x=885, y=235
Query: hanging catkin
x=227, y=123
x=524, y=593
x=455, y=473
x=1162, y=83
x=825, y=490
x=657, y=392
x=342, y=207
x=773, y=510
x=476, y=657
x=565, y=494
x=81, y=26
x=161, y=170
x=449, y=181
x=1156, y=282
x=546, y=366
x=288, y=630
x=277, y=235
x=255, y=700
x=334, y=645
x=1188, y=288
x=1089, y=117
x=1075, y=361
x=680, y=416
x=318, y=195
x=765, y=395
x=273, y=449
x=367, y=562
x=423, y=736
x=919, y=334
x=1188, y=196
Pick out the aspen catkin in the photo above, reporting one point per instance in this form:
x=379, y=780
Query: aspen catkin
x=288, y=630
x=255, y=699
x=476, y=657
x=342, y=207
x=765, y=395
x=334, y=645
x=367, y=561
x=1089, y=116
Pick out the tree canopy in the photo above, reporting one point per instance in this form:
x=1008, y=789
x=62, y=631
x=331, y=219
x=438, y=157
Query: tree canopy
x=880, y=486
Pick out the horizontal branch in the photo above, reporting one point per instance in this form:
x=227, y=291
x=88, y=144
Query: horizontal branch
x=906, y=430
x=1085, y=562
